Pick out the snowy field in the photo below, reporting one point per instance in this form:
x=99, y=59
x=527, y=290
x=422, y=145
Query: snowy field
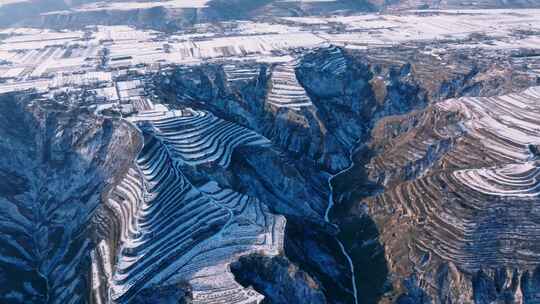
x=44, y=58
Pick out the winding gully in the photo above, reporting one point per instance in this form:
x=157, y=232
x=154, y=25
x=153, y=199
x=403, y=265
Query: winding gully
x=327, y=219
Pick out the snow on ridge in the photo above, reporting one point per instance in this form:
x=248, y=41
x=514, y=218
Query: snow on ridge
x=96, y=6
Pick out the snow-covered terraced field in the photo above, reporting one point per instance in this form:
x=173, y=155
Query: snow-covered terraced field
x=335, y=63
x=173, y=231
x=505, y=126
x=508, y=129
x=199, y=137
x=464, y=184
x=238, y=73
x=285, y=90
x=515, y=180
x=332, y=63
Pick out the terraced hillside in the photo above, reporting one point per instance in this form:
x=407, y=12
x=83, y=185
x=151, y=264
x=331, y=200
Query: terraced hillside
x=458, y=212
x=285, y=90
x=170, y=230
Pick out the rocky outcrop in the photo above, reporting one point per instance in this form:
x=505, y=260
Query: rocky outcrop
x=277, y=277
x=56, y=163
x=171, y=294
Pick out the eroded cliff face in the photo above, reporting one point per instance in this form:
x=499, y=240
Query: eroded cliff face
x=55, y=164
x=278, y=278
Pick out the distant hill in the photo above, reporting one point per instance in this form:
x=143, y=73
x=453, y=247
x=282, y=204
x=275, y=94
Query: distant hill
x=171, y=15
